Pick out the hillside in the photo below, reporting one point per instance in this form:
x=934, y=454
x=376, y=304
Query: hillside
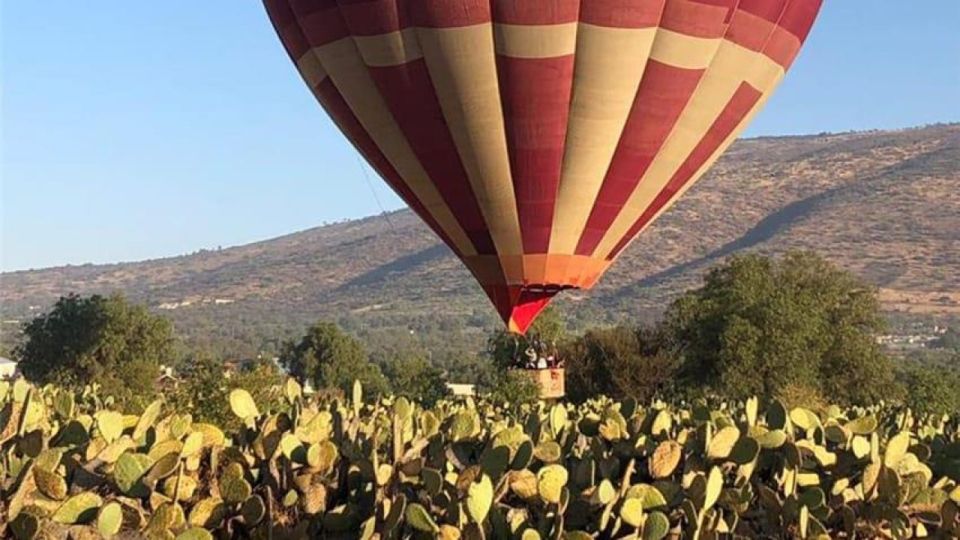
x=885, y=205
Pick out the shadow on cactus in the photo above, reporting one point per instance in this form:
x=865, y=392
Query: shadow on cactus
x=386, y=467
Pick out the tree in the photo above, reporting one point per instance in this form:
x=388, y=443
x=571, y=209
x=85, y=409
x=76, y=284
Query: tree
x=202, y=391
x=416, y=379
x=932, y=390
x=99, y=339
x=759, y=325
x=512, y=386
x=205, y=386
x=618, y=362
x=328, y=358
x=949, y=340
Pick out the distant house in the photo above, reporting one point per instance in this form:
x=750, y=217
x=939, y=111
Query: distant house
x=8, y=368
x=167, y=381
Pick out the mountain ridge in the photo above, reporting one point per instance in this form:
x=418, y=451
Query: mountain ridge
x=883, y=204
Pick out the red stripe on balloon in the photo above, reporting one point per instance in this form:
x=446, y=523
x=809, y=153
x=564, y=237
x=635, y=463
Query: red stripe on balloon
x=743, y=100
x=536, y=12
x=408, y=91
x=799, y=17
x=661, y=98
x=794, y=27
x=320, y=20
x=754, y=22
x=698, y=18
x=285, y=23
x=343, y=116
x=768, y=10
x=447, y=13
x=409, y=94
x=621, y=13
x=535, y=93
x=374, y=17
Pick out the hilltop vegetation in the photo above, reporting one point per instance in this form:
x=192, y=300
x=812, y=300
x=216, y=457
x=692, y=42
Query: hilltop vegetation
x=884, y=205
x=794, y=328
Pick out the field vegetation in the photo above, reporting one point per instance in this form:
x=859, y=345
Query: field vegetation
x=760, y=405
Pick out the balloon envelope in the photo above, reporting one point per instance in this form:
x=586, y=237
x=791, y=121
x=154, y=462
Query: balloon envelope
x=537, y=138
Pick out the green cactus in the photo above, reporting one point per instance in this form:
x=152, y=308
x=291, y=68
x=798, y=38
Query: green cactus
x=723, y=442
x=110, y=425
x=656, y=526
x=253, y=510
x=50, y=483
x=418, y=518
x=110, y=519
x=25, y=526
x=479, y=498
x=195, y=533
x=318, y=466
x=233, y=487
x=550, y=483
x=242, y=404
x=80, y=508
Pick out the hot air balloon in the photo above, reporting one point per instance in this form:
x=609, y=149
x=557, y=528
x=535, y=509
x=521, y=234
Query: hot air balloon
x=537, y=138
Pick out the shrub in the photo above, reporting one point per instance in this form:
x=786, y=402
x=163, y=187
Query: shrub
x=932, y=390
x=514, y=386
x=328, y=358
x=414, y=378
x=758, y=325
x=619, y=362
x=98, y=340
x=205, y=385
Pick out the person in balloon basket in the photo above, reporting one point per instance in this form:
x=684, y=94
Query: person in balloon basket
x=537, y=357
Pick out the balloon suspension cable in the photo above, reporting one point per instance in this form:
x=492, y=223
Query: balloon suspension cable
x=383, y=211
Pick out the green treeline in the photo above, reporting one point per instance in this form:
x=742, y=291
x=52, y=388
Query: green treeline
x=796, y=328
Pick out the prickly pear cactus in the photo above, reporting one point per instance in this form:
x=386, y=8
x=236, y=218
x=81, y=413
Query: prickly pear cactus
x=386, y=468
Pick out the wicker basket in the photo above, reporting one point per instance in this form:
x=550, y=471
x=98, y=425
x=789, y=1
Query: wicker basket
x=550, y=381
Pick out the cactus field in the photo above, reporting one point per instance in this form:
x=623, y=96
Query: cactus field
x=381, y=467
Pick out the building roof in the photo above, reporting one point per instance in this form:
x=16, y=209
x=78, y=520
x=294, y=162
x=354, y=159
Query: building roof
x=6, y=361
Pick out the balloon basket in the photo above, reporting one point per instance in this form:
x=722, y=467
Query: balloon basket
x=550, y=381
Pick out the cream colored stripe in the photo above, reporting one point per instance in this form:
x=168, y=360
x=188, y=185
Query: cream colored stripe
x=709, y=163
x=535, y=41
x=609, y=65
x=731, y=66
x=463, y=69
x=683, y=51
x=342, y=62
x=546, y=41
x=311, y=69
x=390, y=49
x=713, y=158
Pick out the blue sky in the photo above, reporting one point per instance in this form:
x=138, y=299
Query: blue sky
x=134, y=130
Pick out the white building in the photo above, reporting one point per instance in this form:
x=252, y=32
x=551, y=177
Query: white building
x=8, y=368
x=458, y=389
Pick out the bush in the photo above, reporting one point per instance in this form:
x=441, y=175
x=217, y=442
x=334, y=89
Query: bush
x=759, y=325
x=327, y=358
x=932, y=390
x=205, y=385
x=414, y=378
x=98, y=340
x=319, y=468
x=619, y=362
x=514, y=386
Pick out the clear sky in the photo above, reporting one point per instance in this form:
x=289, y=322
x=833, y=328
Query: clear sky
x=136, y=130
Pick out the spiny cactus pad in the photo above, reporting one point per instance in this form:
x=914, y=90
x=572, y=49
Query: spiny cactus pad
x=389, y=468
